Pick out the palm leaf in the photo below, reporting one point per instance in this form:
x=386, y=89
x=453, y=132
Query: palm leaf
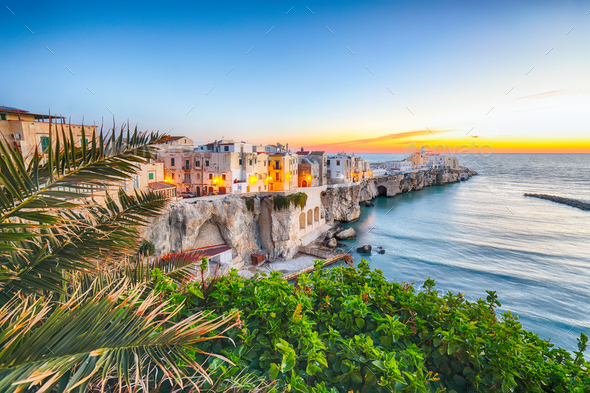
x=45, y=228
x=100, y=336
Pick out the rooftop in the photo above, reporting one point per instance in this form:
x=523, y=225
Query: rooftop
x=198, y=253
x=37, y=116
x=160, y=185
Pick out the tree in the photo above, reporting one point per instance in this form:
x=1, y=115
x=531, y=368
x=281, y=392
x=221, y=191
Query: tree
x=74, y=311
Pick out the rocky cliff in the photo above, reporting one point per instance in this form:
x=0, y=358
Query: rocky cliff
x=342, y=203
x=263, y=228
x=227, y=220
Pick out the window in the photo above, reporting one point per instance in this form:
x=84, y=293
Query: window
x=3, y=116
x=198, y=175
x=172, y=163
x=197, y=164
x=225, y=148
x=223, y=177
x=150, y=175
x=337, y=162
x=173, y=176
x=240, y=163
x=210, y=176
x=187, y=177
x=250, y=162
x=207, y=163
x=44, y=143
x=328, y=162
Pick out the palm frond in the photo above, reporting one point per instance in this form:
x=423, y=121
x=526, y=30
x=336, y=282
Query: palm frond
x=46, y=227
x=119, y=335
x=86, y=237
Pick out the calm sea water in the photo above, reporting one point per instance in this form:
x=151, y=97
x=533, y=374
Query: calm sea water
x=483, y=234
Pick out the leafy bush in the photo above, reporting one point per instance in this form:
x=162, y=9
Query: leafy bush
x=281, y=202
x=349, y=329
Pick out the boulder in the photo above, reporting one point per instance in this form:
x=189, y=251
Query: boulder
x=369, y=204
x=346, y=234
x=365, y=249
x=380, y=250
x=332, y=243
x=338, y=244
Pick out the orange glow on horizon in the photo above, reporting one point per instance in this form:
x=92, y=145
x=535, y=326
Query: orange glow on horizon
x=459, y=145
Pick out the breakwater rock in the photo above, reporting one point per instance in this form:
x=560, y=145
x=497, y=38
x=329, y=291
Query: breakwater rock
x=565, y=201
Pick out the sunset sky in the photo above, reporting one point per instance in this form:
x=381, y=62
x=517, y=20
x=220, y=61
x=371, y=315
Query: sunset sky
x=367, y=76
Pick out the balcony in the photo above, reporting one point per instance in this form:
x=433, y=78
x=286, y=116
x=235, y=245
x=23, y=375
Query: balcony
x=186, y=167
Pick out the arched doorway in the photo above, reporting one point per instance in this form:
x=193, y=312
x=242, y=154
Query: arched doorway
x=198, y=191
x=222, y=190
x=304, y=183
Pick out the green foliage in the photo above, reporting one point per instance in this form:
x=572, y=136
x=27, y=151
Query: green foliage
x=349, y=329
x=281, y=202
x=250, y=203
x=299, y=199
x=147, y=248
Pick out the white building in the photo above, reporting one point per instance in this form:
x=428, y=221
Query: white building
x=339, y=168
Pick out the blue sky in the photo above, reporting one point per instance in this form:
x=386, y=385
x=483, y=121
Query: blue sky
x=446, y=62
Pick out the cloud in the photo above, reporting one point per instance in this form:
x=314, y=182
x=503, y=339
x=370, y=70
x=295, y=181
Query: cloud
x=545, y=94
x=400, y=138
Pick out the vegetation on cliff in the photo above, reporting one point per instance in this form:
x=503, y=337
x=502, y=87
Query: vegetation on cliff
x=281, y=202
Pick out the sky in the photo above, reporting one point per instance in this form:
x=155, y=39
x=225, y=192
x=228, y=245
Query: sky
x=371, y=76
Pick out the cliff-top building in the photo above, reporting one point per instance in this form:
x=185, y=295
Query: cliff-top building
x=29, y=131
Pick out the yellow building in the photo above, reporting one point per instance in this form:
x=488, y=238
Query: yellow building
x=28, y=131
x=282, y=171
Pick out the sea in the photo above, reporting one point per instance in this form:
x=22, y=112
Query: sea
x=484, y=234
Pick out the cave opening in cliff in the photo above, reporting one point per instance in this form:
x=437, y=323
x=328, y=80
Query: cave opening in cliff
x=382, y=190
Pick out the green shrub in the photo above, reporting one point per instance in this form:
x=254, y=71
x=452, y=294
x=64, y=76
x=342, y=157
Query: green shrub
x=250, y=203
x=349, y=329
x=146, y=248
x=281, y=202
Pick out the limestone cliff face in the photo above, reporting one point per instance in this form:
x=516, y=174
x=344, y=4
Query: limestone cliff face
x=227, y=220
x=185, y=226
x=342, y=203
